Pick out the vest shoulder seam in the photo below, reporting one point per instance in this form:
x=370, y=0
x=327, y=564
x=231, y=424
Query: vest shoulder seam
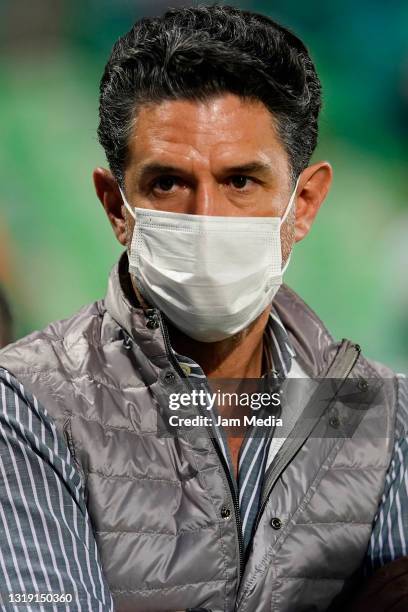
x=310, y=313
x=120, y=477
x=77, y=415
x=159, y=533
x=46, y=335
x=334, y=579
x=176, y=587
x=350, y=468
x=358, y=523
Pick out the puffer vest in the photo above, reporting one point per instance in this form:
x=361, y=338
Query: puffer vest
x=162, y=508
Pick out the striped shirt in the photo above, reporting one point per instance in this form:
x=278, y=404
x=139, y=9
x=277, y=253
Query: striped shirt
x=47, y=545
x=389, y=538
x=46, y=540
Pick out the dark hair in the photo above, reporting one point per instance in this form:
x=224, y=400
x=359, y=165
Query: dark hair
x=195, y=53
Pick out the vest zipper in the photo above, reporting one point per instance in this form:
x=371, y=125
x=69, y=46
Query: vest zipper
x=341, y=367
x=226, y=470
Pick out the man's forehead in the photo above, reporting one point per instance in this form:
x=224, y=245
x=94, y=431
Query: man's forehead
x=224, y=125
x=216, y=108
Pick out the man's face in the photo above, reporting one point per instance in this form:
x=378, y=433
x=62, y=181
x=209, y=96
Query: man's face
x=219, y=157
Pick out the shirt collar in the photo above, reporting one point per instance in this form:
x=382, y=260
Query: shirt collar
x=278, y=351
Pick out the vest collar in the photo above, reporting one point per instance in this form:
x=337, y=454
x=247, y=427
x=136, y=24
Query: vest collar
x=313, y=344
x=122, y=305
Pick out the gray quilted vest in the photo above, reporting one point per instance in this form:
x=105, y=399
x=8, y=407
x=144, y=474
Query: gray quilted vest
x=162, y=508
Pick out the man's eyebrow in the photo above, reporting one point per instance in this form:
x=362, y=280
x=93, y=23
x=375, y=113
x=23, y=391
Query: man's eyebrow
x=248, y=168
x=154, y=168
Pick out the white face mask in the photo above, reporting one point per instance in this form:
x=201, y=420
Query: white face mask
x=211, y=276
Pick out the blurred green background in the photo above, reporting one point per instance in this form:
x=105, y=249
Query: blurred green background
x=56, y=246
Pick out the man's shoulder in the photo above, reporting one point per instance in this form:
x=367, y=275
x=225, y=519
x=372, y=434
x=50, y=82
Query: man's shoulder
x=314, y=344
x=41, y=349
x=382, y=370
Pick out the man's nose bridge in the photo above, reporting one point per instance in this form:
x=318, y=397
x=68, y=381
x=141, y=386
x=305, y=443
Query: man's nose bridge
x=209, y=199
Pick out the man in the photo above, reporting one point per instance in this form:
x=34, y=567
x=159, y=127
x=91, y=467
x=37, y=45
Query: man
x=208, y=117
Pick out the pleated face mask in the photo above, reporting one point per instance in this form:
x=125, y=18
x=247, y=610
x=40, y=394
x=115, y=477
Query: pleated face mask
x=211, y=276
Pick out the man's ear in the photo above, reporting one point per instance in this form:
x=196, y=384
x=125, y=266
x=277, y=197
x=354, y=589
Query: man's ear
x=107, y=190
x=314, y=184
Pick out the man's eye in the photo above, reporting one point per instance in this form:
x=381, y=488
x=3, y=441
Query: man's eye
x=165, y=183
x=240, y=181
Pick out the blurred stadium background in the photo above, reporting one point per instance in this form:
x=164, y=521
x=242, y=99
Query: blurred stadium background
x=56, y=246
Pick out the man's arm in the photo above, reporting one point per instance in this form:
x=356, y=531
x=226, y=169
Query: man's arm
x=386, y=566
x=46, y=540
x=389, y=537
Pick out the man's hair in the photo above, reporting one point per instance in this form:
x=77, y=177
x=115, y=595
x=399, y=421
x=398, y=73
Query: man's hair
x=196, y=53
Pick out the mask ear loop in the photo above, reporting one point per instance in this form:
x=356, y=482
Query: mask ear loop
x=126, y=203
x=283, y=219
x=290, y=204
x=286, y=264
x=145, y=306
